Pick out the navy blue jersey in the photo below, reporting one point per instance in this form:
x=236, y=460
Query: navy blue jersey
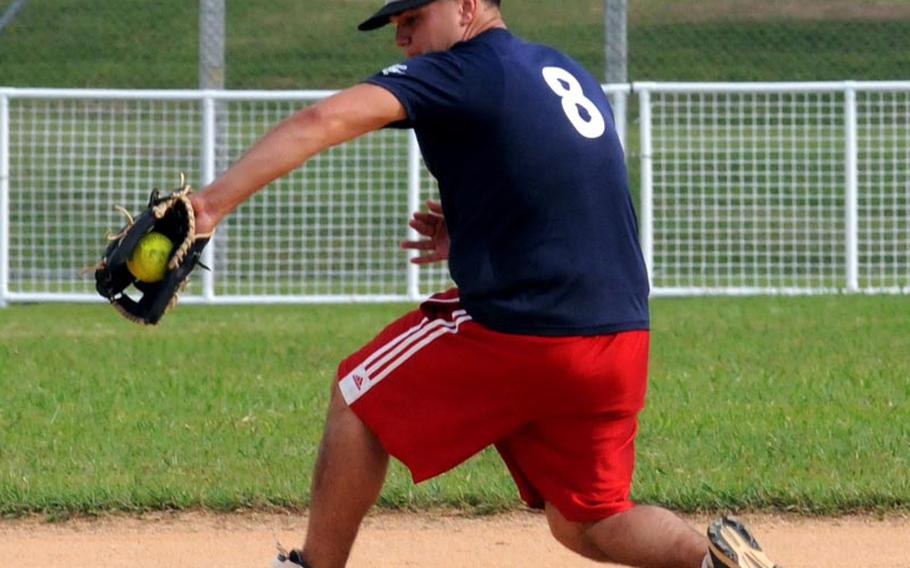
x=533, y=185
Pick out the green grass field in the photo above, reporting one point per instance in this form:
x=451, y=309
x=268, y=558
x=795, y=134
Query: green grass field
x=759, y=403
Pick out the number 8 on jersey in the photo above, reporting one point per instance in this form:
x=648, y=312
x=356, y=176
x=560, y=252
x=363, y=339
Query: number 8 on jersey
x=567, y=88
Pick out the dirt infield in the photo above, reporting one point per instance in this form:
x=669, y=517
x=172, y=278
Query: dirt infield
x=439, y=540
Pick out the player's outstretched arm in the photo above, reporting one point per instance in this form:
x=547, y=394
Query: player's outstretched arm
x=339, y=118
x=432, y=225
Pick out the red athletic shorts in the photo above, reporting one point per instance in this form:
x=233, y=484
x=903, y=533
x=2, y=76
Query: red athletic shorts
x=436, y=387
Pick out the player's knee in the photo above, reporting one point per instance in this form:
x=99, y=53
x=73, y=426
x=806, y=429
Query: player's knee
x=573, y=536
x=568, y=536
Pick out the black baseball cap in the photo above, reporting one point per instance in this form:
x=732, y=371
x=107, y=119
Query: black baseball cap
x=391, y=8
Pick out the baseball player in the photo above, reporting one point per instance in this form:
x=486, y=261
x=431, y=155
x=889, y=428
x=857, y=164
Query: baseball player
x=542, y=349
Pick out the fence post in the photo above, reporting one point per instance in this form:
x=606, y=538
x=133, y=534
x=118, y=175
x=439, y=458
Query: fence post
x=615, y=58
x=851, y=200
x=620, y=110
x=647, y=219
x=211, y=44
x=413, y=274
x=4, y=199
x=211, y=72
x=208, y=176
x=615, y=71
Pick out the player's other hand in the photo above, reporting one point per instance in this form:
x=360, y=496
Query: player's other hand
x=432, y=225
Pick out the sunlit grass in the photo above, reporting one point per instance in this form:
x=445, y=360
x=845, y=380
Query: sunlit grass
x=766, y=403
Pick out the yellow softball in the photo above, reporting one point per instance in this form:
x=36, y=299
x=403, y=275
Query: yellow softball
x=148, y=262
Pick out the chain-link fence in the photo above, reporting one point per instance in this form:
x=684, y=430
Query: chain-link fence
x=274, y=44
x=768, y=40
x=281, y=44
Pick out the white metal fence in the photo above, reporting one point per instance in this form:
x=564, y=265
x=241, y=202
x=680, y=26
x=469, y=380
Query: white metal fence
x=744, y=188
x=776, y=188
x=327, y=232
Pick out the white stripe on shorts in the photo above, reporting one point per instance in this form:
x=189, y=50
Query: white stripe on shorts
x=394, y=353
x=443, y=300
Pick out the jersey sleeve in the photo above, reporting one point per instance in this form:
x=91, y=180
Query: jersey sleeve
x=429, y=87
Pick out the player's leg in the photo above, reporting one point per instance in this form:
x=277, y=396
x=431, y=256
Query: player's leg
x=645, y=536
x=579, y=459
x=581, y=464
x=394, y=395
x=349, y=474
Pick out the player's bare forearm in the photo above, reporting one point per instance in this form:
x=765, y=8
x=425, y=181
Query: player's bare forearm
x=344, y=116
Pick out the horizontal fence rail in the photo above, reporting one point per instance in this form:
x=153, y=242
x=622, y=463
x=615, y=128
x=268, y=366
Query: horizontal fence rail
x=744, y=189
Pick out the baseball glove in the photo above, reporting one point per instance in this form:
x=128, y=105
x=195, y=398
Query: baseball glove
x=171, y=215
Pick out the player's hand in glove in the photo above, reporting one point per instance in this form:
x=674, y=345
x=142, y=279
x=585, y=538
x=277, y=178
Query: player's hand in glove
x=432, y=225
x=171, y=215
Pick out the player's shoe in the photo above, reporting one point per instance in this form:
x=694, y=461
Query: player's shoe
x=288, y=559
x=732, y=546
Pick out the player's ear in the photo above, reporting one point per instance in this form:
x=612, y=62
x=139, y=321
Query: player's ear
x=467, y=11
